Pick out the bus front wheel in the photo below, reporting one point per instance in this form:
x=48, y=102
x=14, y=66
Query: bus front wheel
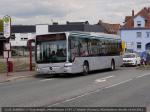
x=85, y=68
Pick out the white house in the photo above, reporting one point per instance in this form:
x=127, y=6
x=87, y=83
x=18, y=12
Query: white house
x=21, y=39
x=22, y=33
x=136, y=31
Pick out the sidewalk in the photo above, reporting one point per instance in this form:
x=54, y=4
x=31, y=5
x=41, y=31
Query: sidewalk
x=15, y=75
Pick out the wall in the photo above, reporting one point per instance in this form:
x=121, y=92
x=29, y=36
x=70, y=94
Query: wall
x=131, y=37
x=41, y=29
x=139, y=18
x=21, y=39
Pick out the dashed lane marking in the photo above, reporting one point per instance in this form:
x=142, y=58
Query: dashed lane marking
x=143, y=75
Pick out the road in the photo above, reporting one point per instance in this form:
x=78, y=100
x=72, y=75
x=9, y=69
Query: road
x=126, y=86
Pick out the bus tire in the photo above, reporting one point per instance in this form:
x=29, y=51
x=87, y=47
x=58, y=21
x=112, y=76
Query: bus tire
x=112, y=65
x=85, y=68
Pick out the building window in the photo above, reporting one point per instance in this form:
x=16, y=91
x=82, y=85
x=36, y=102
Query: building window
x=148, y=34
x=139, y=45
x=138, y=23
x=24, y=39
x=139, y=34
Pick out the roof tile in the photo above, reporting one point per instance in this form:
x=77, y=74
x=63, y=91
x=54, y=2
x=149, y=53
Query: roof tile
x=145, y=13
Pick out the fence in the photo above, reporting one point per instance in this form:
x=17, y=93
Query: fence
x=20, y=62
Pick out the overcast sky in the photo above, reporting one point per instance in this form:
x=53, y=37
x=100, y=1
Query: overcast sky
x=46, y=11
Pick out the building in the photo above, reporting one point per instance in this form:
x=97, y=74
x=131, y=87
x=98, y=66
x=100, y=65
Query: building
x=136, y=31
x=2, y=41
x=75, y=26
x=110, y=28
x=22, y=33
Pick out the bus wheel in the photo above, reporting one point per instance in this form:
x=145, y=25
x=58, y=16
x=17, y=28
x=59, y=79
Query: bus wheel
x=112, y=65
x=85, y=68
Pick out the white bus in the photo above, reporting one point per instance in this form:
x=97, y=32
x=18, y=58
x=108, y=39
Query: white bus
x=77, y=52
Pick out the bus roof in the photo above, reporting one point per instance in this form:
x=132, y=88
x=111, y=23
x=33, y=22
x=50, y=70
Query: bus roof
x=88, y=34
x=96, y=35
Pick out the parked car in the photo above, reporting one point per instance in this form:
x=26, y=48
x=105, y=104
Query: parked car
x=131, y=59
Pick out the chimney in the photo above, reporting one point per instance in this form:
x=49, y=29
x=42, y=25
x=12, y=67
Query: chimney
x=67, y=22
x=86, y=22
x=100, y=22
x=145, y=8
x=132, y=13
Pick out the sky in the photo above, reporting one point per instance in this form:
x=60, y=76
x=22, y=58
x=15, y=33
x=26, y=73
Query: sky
x=29, y=12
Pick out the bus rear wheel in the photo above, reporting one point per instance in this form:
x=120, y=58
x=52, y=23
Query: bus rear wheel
x=112, y=65
x=85, y=68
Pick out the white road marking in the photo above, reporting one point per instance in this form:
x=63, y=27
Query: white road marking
x=103, y=79
x=45, y=80
x=118, y=83
x=85, y=94
x=100, y=80
x=91, y=92
x=143, y=75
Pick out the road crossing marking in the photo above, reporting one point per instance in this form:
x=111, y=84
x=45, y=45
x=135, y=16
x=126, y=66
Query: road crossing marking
x=103, y=79
x=118, y=83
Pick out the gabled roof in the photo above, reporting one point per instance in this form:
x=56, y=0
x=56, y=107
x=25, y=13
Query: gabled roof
x=110, y=28
x=145, y=13
x=127, y=18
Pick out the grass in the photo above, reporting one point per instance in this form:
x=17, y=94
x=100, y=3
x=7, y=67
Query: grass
x=18, y=65
x=2, y=67
x=21, y=67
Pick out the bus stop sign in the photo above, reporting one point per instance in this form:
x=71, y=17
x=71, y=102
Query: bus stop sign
x=7, y=26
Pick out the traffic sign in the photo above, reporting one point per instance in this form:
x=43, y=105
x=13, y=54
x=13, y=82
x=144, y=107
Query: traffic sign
x=7, y=26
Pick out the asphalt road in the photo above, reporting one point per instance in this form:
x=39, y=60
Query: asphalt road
x=125, y=86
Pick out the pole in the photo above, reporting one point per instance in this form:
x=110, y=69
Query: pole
x=30, y=50
x=7, y=66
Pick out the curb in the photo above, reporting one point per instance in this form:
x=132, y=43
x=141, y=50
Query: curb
x=15, y=78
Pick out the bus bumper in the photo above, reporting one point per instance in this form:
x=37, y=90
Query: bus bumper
x=55, y=70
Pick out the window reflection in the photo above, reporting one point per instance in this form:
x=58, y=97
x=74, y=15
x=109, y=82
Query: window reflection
x=51, y=51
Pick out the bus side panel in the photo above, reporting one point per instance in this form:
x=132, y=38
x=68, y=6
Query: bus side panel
x=118, y=61
x=98, y=63
x=95, y=63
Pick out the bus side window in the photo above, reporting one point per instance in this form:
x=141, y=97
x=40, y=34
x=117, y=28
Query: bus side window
x=74, y=49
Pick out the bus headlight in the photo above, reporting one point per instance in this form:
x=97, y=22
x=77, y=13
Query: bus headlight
x=37, y=69
x=68, y=65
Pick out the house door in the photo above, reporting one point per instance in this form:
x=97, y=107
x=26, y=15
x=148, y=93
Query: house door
x=147, y=46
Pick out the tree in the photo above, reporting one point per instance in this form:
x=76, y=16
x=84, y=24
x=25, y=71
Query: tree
x=1, y=25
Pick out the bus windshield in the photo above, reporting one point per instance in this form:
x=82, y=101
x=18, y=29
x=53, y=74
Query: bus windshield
x=51, y=48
